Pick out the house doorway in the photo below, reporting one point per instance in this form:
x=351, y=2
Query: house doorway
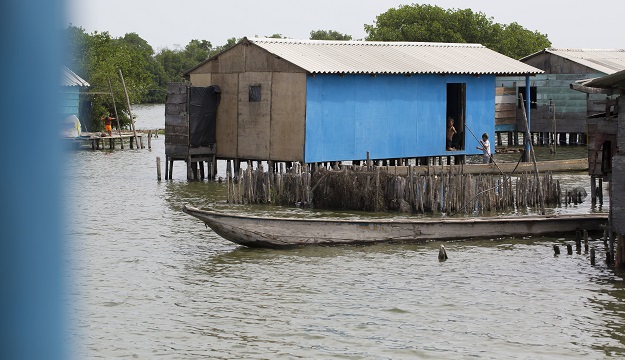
x=456, y=105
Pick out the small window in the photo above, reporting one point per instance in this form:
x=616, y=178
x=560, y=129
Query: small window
x=255, y=93
x=533, y=97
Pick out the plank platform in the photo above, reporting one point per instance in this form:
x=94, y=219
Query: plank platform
x=575, y=165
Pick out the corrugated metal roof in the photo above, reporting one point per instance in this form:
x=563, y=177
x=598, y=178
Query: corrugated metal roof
x=71, y=79
x=373, y=57
x=612, y=81
x=607, y=61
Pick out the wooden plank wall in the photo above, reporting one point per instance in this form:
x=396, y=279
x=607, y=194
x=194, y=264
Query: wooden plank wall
x=617, y=202
x=272, y=129
x=254, y=118
x=505, y=106
x=176, y=122
x=571, y=106
x=227, y=115
x=288, y=116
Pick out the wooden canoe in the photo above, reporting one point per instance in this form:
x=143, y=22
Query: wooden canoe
x=273, y=232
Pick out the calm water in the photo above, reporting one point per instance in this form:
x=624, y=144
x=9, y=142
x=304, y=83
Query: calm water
x=149, y=281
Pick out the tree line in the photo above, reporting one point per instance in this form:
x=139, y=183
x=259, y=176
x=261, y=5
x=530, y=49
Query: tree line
x=98, y=57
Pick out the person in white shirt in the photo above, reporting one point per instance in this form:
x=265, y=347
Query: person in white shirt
x=485, y=148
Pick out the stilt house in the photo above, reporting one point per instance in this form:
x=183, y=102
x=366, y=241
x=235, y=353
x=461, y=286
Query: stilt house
x=320, y=101
x=606, y=133
x=558, y=113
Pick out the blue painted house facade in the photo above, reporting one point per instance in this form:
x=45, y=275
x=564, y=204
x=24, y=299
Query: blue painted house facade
x=71, y=86
x=317, y=101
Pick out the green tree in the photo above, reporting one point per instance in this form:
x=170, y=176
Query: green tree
x=157, y=88
x=428, y=23
x=98, y=58
x=175, y=62
x=229, y=43
x=328, y=35
x=518, y=42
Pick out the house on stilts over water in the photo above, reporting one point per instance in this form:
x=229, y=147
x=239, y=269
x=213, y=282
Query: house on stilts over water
x=606, y=157
x=558, y=112
x=313, y=101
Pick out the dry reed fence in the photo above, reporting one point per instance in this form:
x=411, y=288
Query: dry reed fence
x=373, y=189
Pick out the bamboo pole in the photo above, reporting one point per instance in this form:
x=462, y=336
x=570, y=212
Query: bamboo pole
x=132, y=120
x=119, y=128
x=540, y=195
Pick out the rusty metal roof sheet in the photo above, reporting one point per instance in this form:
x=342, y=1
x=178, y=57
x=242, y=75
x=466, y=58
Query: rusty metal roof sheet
x=373, y=57
x=607, y=61
x=70, y=78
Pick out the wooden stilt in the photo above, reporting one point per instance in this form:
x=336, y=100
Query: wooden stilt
x=158, y=168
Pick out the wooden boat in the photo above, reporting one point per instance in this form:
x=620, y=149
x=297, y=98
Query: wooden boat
x=272, y=232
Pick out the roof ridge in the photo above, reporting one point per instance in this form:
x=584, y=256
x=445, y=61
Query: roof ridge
x=362, y=42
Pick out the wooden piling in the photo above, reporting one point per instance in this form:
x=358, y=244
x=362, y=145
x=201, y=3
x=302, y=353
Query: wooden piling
x=556, y=250
x=158, y=168
x=592, y=256
x=569, y=249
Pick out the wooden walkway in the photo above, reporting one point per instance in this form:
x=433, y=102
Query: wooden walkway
x=555, y=166
x=96, y=141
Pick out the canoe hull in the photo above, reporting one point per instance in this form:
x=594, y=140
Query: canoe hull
x=285, y=232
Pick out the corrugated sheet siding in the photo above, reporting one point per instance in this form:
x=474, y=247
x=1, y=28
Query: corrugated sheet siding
x=389, y=116
x=571, y=105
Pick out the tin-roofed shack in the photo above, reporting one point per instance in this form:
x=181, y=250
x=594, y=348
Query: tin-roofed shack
x=558, y=113
x=321, y=101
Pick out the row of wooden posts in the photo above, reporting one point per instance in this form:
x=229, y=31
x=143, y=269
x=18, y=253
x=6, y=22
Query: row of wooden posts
x=134, y=140
x=374, y=189
x=608, y=242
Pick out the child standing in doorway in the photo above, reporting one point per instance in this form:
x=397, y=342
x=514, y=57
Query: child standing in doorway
x=451, y=131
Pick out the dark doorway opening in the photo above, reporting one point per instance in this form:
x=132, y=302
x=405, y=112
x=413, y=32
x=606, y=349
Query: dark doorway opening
x=456, y=104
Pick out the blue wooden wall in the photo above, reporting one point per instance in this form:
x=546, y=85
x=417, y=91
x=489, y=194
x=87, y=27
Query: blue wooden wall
x=69, y=101
x=390, y=116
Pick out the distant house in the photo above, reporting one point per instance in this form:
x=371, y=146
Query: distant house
x=551, y=90
x=317, y=101
x=71, y=85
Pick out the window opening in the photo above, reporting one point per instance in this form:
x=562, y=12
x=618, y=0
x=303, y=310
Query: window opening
x=255, y=93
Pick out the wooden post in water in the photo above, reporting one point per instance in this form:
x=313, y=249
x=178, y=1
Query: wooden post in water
x=149, y=139
x=228, y=181
x=158, y=168
x=592, y=256
x=556, y=250
x=593, y=190
x=569, y=249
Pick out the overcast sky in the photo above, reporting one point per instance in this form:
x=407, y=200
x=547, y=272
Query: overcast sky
x=585, y=24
